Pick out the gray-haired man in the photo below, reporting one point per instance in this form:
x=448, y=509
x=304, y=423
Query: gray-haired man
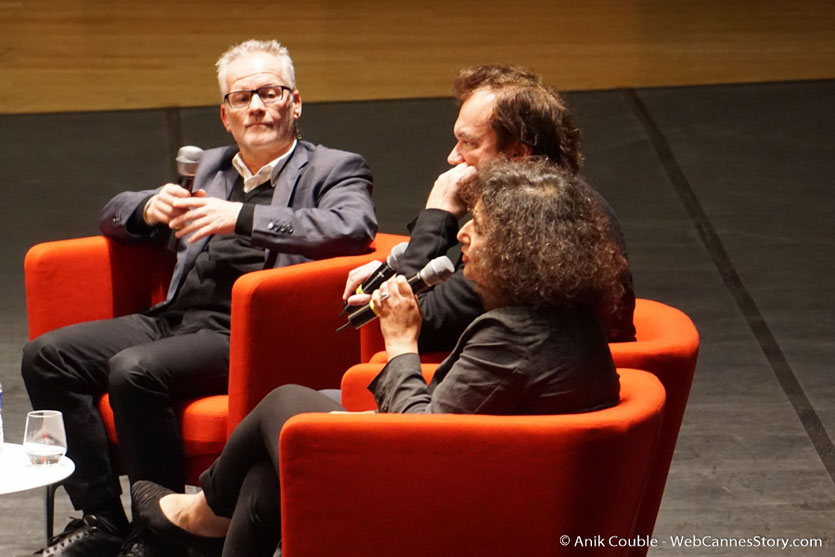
x=270, y=201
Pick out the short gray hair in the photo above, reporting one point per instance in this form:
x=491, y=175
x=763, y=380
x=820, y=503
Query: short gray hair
x=248, y=47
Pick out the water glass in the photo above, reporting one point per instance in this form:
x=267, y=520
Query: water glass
x=45, y=441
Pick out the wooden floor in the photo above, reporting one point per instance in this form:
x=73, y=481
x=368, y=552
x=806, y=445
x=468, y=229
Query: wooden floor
x=69, y=55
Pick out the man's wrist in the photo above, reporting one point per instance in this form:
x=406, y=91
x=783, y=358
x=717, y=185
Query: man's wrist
x=445, y=205
x=136, y=223
x=145, y=215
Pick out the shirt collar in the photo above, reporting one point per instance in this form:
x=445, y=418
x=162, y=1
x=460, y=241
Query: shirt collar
x=252, y=181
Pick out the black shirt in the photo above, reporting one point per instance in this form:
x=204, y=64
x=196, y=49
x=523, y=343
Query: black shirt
x=205, y=298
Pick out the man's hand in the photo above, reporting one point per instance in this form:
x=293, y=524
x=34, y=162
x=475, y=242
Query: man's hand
x=204, y=216
x=160, y=208
x=355, y=278
x=445, y=193
x=400, y=317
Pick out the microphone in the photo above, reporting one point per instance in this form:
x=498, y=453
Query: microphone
x=435, y=272
x=385, y=271
x=188, y=159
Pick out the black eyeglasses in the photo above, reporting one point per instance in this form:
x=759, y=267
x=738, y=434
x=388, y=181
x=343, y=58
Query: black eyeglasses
x=268, y=94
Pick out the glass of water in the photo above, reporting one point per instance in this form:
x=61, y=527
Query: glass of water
x=45, y=441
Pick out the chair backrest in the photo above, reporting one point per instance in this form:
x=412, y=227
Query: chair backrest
x=667, y=346
x=390, y=484
x=295, y=311
x=281, y=321
x=70, y=281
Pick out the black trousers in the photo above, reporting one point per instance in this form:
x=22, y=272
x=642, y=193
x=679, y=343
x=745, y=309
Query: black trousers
x=146, y=367
x=243, y=484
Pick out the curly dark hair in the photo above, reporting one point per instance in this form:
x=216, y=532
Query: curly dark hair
x=545, y=242
x=526, y=111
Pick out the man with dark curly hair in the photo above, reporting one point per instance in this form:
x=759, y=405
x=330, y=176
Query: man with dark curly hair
x=506, y=111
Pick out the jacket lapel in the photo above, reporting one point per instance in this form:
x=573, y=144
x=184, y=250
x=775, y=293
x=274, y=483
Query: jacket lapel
x=286, y=177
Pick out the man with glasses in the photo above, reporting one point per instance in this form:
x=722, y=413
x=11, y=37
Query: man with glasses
x=270, y=201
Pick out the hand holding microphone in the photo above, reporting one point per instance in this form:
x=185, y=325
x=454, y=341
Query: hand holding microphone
x=435, y=272
x=400, y=317
x=364, y=280
x=160, y=208
x=188, y=161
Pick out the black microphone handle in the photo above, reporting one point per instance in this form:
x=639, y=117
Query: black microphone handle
x=384, y=271
x=372, y=283
x=187, y=182
x=366, y=313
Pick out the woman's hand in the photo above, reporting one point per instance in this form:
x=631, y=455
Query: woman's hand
x=399, y=316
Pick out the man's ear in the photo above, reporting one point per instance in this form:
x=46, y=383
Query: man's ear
x=297, y=105
x=224, y=117
x=518, y=150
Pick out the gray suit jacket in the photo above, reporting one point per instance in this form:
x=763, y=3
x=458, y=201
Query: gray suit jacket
x=511, y=360
x=321, y=207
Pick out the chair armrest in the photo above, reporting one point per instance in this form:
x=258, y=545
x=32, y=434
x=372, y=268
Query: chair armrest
x=496, y=481
x=355, y=394
x=284, y=325
x=371, y=339
x=425, y=358
x=70, y=281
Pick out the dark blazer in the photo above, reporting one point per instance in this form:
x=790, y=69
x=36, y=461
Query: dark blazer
x=321, y=207
x=511, y=360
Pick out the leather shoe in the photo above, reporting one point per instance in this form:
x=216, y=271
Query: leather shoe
x=132, y=547
x=148, y=513
x=83, y=537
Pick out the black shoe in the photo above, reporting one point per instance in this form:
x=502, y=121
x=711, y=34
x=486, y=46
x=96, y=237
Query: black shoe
x=146, y=496
x=132, y=546
x=83, y=537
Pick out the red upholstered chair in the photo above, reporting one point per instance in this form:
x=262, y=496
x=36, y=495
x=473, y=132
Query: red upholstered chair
x=466, y=485
x=281, y=319
x=667, y=345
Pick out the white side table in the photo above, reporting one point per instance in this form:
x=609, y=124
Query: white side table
x=17, y=474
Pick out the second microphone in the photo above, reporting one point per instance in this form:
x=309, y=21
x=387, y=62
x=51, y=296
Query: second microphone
x=435, y=272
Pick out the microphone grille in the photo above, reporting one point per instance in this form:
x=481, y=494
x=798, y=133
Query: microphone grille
x=437, y=271
x=396, y=252
x=188, y=159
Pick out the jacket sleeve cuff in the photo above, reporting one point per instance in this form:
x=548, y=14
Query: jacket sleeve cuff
x=136, y=223
x=381, y=383
x=243, y=226
x=436, y=218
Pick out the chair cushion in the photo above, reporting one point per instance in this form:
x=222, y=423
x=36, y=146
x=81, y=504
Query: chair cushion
x=202, y=423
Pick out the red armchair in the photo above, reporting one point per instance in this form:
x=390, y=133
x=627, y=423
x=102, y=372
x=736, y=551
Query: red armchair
x=391, y=484
x=281, y=319
x=667, y=345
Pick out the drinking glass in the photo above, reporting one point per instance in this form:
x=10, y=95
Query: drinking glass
x=45, y=441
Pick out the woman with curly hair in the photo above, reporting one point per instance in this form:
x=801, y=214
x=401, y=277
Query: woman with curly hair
x=540, y=253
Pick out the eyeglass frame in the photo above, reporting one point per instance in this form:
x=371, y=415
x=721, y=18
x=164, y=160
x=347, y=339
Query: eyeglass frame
x=252, y=92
